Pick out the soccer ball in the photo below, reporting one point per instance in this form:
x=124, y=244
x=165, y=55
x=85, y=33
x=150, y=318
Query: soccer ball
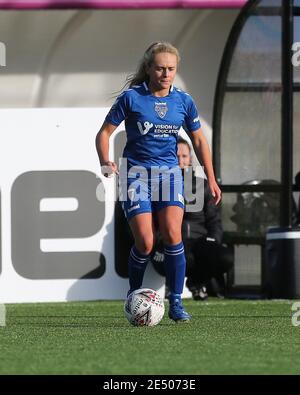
x=144, y=307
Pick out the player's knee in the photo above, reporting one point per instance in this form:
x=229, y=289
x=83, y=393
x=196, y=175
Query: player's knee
x=145, y=245
x=172, y=235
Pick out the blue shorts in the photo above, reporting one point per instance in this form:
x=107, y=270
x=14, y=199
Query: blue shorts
x=151, y=191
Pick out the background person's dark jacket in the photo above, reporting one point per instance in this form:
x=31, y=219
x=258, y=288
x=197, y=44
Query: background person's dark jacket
x=205, y=223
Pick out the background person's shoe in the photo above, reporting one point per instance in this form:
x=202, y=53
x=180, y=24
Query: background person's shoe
x=203, y=293
x=196, y=294
x=200, y=294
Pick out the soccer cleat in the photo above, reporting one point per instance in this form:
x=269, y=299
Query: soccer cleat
x=176, y=310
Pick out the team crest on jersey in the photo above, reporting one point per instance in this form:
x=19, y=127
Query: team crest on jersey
x=161, y=109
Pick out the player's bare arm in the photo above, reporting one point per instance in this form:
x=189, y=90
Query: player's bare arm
x=202, y=151
x=102, y=145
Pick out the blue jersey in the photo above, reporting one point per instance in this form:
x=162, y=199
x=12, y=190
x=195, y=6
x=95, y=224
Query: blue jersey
x=152, y=124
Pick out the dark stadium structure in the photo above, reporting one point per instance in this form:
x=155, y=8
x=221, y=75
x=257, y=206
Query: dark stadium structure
x=255, y=143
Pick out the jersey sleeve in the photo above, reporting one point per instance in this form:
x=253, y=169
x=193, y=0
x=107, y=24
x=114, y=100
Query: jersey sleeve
x=119, y=110
x=191, y=121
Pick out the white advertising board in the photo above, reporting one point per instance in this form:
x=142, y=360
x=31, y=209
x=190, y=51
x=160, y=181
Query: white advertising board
x=57, y=237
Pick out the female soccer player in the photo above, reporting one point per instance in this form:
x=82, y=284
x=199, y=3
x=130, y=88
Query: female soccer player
x=154, y=111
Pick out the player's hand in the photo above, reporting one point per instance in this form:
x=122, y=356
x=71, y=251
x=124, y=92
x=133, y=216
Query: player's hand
x=215, y=191
x=109, y=168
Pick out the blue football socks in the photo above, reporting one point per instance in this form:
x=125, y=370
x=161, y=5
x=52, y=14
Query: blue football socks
x=175, y=264
x=137, y=264
x=175, y=267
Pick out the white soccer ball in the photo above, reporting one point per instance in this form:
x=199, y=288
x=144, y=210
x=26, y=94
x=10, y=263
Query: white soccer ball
x=144, y=307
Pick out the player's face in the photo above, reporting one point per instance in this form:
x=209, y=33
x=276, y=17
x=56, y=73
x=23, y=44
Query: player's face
x=183, y=155
x=162, y=71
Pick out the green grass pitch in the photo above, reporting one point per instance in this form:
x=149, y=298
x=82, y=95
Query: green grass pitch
x=224, y=337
